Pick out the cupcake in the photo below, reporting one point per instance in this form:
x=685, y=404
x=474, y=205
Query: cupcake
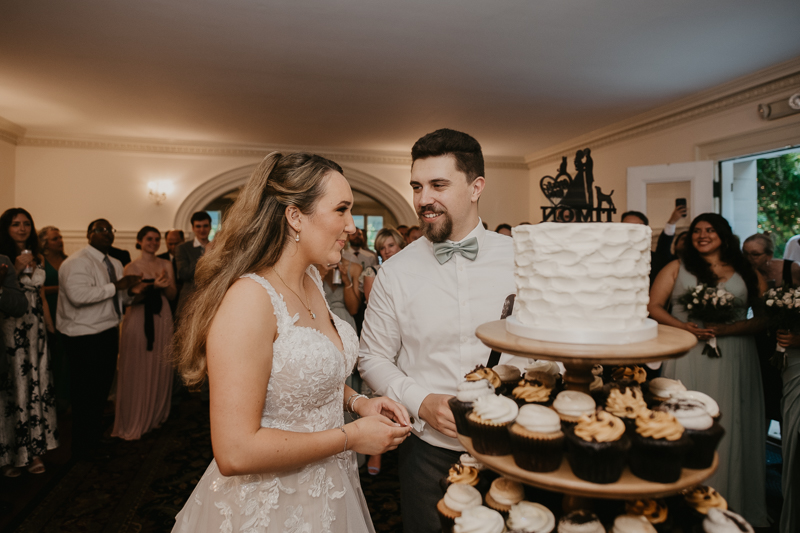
x=659, y=447
x=529, y=517
x=597, y=447
x=698, y=501
x=548, y=367
x=662, y=389
x=720, y=521
x=712, y=408
x=459, y=473
x=596, y=385
x=537, y=387
x=632, y=524
x=488, y=423
x=481, y=372
x=626, y=405
x=629, y=373
x=600, y=396
x=654, y=511
x=470, y=471
x=509, y=377
x=503, y=494
x=457, y=498
x=703, y=431
x=571, y=405
x=580, y=522
x=536, y=439
x=481, y=519
x=461, y=403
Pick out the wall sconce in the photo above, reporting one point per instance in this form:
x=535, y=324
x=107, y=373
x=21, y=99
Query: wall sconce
x=781, y=108
x=159, y=191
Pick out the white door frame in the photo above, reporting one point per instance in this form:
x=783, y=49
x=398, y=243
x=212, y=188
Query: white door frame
x=700, y=174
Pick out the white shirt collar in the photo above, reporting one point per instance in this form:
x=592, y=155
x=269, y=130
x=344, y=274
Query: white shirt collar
x=197, y=243
x=97, y=254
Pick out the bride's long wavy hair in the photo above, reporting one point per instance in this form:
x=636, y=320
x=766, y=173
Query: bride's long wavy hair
x=252, y=237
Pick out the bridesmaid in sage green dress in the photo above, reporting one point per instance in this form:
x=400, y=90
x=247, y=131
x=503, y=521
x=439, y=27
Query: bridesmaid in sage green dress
x=790, y=433
x=712, y=256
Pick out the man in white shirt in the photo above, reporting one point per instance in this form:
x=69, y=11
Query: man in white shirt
x=419, y=339
x=792, y=250
x=91, y=293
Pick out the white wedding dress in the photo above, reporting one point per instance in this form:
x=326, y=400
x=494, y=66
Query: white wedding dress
x=304, y=394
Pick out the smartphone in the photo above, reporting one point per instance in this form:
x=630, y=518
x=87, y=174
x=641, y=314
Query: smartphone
x=148, y=280
x=680, y=202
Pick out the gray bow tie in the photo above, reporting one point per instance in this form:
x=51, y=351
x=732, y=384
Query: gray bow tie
x=445, y=250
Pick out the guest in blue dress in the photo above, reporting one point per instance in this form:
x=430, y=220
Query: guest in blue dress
x=712, y=256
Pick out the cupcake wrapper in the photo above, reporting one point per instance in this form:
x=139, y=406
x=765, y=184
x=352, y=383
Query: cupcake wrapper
x=490, y=439
x=460, y=411
x=704, y=444
x=597, y=462
x=536, y=455
x=445, y=519
x=658, y=460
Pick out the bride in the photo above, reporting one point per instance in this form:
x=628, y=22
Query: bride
x=276, y=358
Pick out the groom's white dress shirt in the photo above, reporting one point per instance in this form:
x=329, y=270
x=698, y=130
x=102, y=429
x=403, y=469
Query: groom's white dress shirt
x=419, y=328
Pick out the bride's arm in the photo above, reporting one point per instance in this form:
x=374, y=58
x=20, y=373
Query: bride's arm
x=239, y=355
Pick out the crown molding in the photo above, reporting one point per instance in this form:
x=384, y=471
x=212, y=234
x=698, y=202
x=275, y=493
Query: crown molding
x=755, y=86
x=10, y=132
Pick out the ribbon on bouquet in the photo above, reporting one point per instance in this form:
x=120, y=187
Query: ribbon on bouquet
x=778, y=359
x=711, y=349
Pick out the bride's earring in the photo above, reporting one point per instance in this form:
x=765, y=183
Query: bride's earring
x=297, y=237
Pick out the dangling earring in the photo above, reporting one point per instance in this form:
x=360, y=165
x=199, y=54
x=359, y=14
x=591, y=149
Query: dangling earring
x=297, y=237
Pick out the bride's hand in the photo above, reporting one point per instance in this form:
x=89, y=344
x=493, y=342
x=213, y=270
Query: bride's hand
x=374, y=435
x=383, y=406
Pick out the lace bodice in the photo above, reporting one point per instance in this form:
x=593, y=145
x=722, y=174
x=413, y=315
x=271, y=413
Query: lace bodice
x=308, y=371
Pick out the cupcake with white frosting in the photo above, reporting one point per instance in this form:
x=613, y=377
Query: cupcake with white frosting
x=662, y=389
x=654, y=511
x=537, y=440
x=712, y=407
x=632, y=524
x=700, y=427
x=479, y=519
x=509, y=377
x=571, y=405
x=503, y=494
x=719, y=521
x=580, y=521
x=489, y=421
x=466, y=393
x=459, y=496
x=530, y=517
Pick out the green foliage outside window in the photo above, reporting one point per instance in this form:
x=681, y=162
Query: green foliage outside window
x=779, y=198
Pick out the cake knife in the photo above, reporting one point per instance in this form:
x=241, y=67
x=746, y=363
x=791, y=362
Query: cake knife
x=508, y=306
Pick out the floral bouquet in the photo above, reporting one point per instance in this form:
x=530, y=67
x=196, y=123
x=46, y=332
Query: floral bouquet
x=783, y=311
x=710, y=305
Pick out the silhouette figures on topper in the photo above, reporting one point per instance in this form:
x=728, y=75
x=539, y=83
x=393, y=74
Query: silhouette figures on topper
x=573, y=198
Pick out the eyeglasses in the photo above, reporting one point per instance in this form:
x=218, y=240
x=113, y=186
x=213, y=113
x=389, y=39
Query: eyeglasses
x=754, y=254
x=104, y=230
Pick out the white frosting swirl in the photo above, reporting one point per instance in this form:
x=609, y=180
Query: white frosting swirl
x=468, y=391
x=529, y=517
x=690, y=413
x=508, y=372
x=712, y=408
x=538, y=418
x=721, y=521
x=580, y=522
x=573, y=403
x=496, y=409
x=548, y=367
x=479, y=519
x=632, y=524
x=665, y=387
x=460, y=496
x=467, y=460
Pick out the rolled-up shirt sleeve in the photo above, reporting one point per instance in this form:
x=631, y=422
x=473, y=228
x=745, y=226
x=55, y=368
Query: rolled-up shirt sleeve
x=381, y=341
x=77, y=283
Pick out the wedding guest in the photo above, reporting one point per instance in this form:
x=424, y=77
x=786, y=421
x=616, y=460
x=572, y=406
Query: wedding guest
x=343, y=297
x=91, y=292
x=189, y=253
x=790, y=433
x=29, y=426
x=414, y=233
x=123, y=256
x=388, y=242
x=173, y=238
x=712, y=256
x=662, y=254
x=358, y=252
x=792, y=250
x=144, y=373
x=276, y=361
x=402, y=229
x=419, y=332
x=52, y=245
x=759, y=249
x=503, y=229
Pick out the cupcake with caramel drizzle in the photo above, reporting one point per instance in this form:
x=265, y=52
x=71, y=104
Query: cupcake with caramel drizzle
x=655, y=511
x=697, y=501
x=597, y=447
x=626, y=404
x=536, y=388
x=659, y=447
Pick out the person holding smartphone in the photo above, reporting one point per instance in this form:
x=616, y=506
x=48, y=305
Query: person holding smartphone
x=144, y=375
x=663, y=254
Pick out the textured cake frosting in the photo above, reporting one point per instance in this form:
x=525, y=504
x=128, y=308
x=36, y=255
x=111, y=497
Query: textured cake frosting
x=587, y=276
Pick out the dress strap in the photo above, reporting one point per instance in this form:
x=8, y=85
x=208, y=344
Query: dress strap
x=278, y=304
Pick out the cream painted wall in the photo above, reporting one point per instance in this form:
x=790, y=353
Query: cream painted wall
x=676, y=144
x=7, y=170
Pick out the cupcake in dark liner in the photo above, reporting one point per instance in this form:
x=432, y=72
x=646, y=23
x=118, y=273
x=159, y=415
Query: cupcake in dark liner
x=659, y=390
x=655, y=511
x=719, y=521
x=696, y=502
x=479, y=518
x=458, y=497
x=598, y=447
x=704, y=432
x=711, y=405
x=481, y=372
x=503, y=494
x=459, y=473
x=537, y=441
x=509, y=377
x=632, y=524
x=488, y=423
x=530, y=517
x=600, y=396
x=571, y=405
x=461, y=403
x=626, y=404
x=537, y=387
x=547, y=367
x=627, y=374
x=659, y=447
x=580, y=521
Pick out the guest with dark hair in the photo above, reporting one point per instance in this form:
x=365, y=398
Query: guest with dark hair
x=144, y=374
x=28, y=426
x=662, y=255
x=52, y=245
x=712, y=256
x=402, y=229
x=173, y=238
x=413, y=234
x=189, y=253
x=503, y=229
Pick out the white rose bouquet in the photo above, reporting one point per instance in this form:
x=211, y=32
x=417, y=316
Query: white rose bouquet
x=783, y=310
x=710, y=305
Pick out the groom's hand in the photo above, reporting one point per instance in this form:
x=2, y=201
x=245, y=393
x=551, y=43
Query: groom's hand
x=435, y=411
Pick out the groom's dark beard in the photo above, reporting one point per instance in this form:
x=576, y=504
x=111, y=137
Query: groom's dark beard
x=433, y=232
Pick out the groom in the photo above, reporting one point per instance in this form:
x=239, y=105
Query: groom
x=418, y=339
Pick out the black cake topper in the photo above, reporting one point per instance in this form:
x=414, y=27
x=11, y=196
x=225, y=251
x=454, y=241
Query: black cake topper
x=573, y=198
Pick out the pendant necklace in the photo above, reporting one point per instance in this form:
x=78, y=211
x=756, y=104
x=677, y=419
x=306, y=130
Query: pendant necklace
x=308, y=307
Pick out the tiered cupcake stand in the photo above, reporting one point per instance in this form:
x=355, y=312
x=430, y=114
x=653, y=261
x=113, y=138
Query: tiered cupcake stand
x=579, y=359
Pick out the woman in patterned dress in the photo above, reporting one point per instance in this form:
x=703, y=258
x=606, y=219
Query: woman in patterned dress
x=276, y=360
x=27, y=397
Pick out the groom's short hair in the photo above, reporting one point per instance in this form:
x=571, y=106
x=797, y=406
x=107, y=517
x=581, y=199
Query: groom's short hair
x=464, y=148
